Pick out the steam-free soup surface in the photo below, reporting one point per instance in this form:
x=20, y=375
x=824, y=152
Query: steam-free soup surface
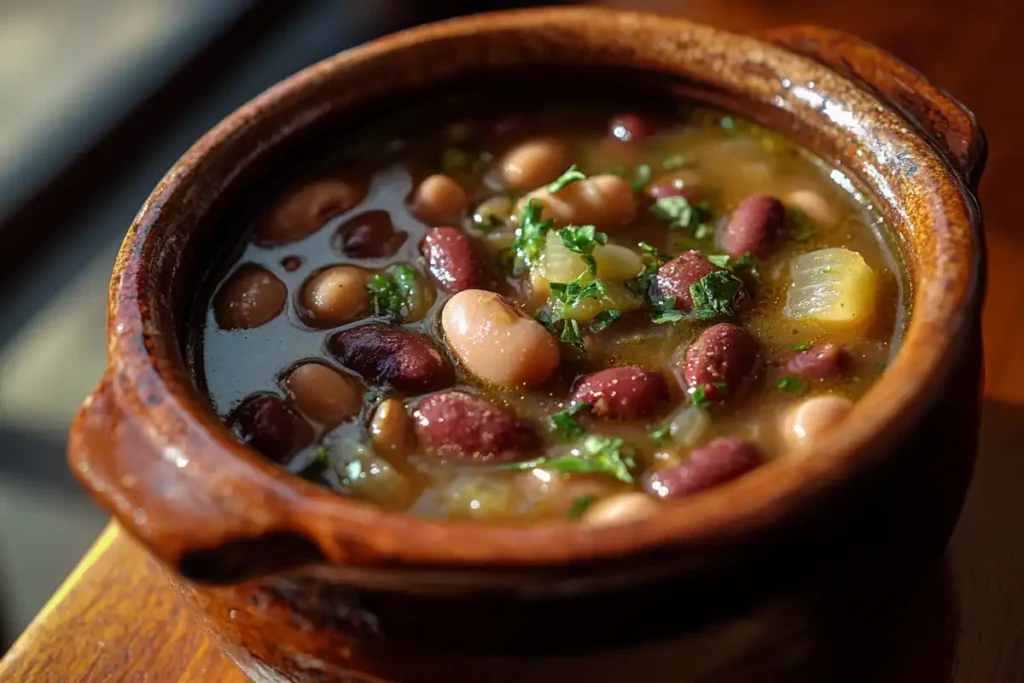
x=581, y=311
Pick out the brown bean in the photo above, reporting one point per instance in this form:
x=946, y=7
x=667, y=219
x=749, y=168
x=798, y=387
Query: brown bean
x=813, y=417
x=305, y=210
x=324, y=394
x=251, y=297
x=533, y=163
x=818, y=362
x=454, y=260
x=675, y=277
x=369, y=235
x=392, y=356
x=719, y=361
x=623, y=393
x=708, y=466
x=456, y=424
x=629, y=127
x=438, y=200
x=619, y=509
x=391, y=429
x=335, y=295
x=266, y=424
x=754, y=226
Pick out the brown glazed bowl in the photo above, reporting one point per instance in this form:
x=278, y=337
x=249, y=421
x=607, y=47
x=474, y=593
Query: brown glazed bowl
x=300, y=584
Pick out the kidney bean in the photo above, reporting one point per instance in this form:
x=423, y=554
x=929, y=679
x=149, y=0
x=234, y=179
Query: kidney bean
x=392, y=356
x=718, y=361
x=251, y=297
x=266, y=424
x=454, y=260
x=708, y=466
x=675, y=277
x=629, y=127
x=623, y=393
x=305, y=210
x=462, y=426
x=753, y=226
x=369, y=235
x=818, y=362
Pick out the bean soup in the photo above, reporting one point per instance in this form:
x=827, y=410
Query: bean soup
x=578, y=313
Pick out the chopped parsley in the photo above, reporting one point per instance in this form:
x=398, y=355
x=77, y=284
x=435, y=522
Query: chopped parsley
x=744, y=265
x=583, y=239
x=673, y=162
x=715, y=294
x=595, y=455
x=487, y=222
x=881, y=367
x=641, y=176
x=793, y=385
x=664, y=310
x=660, y=435
x=530, y=236
x=699, y=397
x=720, y=260
x=564, y=297
x=394, y=295
x=799, y=347
x=800, y=227
x=571, y=175
x=641, y=283
x=727, y=123
x=372, y=396
x=604, y=319
x=579, y=506
x=680, y=214
x=564, y=423
x=571, y=335
x=317, y=465
x=353, y=469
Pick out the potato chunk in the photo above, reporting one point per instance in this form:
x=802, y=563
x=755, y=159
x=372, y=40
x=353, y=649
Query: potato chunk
x=833, y=287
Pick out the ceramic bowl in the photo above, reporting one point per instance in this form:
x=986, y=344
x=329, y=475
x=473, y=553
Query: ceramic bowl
x=301, y=584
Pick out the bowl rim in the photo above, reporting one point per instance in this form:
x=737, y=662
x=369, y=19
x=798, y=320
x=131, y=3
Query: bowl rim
x=148, y=370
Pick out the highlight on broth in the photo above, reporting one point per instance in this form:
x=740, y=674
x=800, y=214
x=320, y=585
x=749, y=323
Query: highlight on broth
x=578, y=313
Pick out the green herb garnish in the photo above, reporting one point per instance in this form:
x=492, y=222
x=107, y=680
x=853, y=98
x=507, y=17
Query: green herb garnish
x=579, y=506
x=699, y=397
x=727, y=123
x=571, y=175
x=353, y=469
x=673, y=162
x=747, y=264
x=799, y=347
x=881, y=366
x=680, y=214
x=571, y=335
x=604, y=319
x=642, y=282
x=641, y=177
x=596, y=455
x=317, y=465
x=793, y=385
x=661, y=434
x=800, y=227
x=583, y=239
x=530, y=236
x=564, y=423
x=487, y=222
x=664, y=310
x=720, y=260
x=715, y=294
x=393, y=295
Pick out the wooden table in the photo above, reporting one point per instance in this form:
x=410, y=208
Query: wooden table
x=117, y=619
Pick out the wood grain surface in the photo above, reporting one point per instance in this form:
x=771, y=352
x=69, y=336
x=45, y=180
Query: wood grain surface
x=117, y=618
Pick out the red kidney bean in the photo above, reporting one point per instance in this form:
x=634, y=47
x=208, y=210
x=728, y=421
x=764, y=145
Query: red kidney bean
x=629, y=127
x=623, y=393
x=393, y=356
x=676, y=188
x=753, y=226
x=455, y=262
x=268, y=425
x=369, y=235
x=719, y=361
x=459, y=425
x=818, y=362
x=675, y=277
x=707, y=466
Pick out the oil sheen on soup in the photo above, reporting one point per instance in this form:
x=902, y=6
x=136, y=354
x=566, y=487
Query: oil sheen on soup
x=578, y=313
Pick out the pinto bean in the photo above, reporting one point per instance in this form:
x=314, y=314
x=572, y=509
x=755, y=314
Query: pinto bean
x=620, y=508
x=458, y=425
x=533, y=163
x=629, y=127
x=814, y=205
x=497, y=342
x=323, y=393
x=692, y=194
x=818, y=362
x=251, y=297
x=708, y=466
x=439, y=199
x=675, y=277
x=813, y=417
x=392, y=356
x=335, y=295
x=606, y=201
x=268, y=425
x=753, y=226
x=623, y=393
x=454, y=260
x=369, y=235
x=719, y=361
x=391, y=429
x=304, y=211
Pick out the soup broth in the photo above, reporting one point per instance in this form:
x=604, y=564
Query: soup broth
x=575, y=313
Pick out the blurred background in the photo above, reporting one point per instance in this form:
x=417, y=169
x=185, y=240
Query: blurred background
x=98, y=98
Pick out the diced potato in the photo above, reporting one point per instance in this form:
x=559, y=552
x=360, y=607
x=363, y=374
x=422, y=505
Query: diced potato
x=833, y=287
x=616, y=297
x=614, y=262
x=617, y=263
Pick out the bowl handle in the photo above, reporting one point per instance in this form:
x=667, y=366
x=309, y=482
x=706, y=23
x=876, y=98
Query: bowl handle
x=195, y=514
x=947, y=124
